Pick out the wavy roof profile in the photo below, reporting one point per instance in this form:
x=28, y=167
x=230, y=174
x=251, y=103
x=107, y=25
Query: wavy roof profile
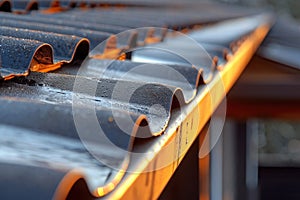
x=69, y=32
x=68, y=42
x=36, y=55
x=30, y=5
x=48, y=106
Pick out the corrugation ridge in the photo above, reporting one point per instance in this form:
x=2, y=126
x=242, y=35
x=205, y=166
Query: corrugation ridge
x=24, y=6
x=147, y=93
x=174, y=56
x=62, y=120
x=95, y=37
x=173, y=95
x=137, y=72
x=149, y=90
x=205, y=74
x=94, y=32
x=65, y=22
x=179, y=93
x=68, y=3
x=64, y=46
x=48, y=3
x=18, y=44
x=5, y=5
x=83, y=16
x=19, y=55
x=52, y=5
x=27, y=20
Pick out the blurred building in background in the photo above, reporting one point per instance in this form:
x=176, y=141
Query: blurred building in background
x=288, y=7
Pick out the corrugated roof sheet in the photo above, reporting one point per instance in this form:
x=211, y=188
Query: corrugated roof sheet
x=67, y=31
x=41, y=105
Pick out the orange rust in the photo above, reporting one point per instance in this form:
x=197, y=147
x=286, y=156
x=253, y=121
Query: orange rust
x=45, y=67
x=15, y=75
x=112, y=54
x=110, y=119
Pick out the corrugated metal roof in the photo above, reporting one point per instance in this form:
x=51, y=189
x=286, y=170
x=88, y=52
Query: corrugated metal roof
x=25, y=6
x=67, y=32
x=41, y=104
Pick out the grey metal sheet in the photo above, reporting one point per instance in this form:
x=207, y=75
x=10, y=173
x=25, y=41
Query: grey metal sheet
x=47, y=3
x=98, y=17
x=161, y=16
x=17, y=55
x=49, y=19
x=38, y=111
x=15, y=177
x=95, y=37
x=218, y=11
x=23, y=5
x=218, y=41
x=56, y=156
x=159, y=91
x=23, y=49
x=29, y=5
x=68, y=3
x=48, y=113
x=64, y=46
x=92, y=30
x=216, y=52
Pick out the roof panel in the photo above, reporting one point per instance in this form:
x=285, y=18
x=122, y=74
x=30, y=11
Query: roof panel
x=39, y=113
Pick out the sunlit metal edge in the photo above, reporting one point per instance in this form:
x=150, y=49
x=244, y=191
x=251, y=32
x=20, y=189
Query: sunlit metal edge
x=141, y=184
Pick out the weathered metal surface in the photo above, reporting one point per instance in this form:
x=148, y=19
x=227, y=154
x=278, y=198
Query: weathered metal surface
x=17, y=55
x=95, y=37
x=67, y=46
x=48, y=112
x=23, y=49
x=46, y=19
x=24, y=6
x=42, y=104
x=96, y=25
x=109, y=95
x=30, y=5
x=64, y=46
x=15, y=177
x=180, y=135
